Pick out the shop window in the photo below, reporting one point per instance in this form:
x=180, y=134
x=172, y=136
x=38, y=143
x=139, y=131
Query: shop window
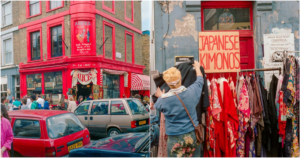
x=33, y=8
x=53, y=86
x=109, y=34
x=117, y=108
x=56, y=41
x=111, y=86
x=17, y=86
x=3, y=90
x=8, y=51
x=227, y=19
x=129, y=47
x=35, y=45
x=34, y=84
x=109, y=6
x=129, y=11
x=6, y=13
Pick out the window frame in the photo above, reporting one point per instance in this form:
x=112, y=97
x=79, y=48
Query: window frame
x=3, y=38
x=50, y=24
x=48, y=6
x=3, y=88
x=131, y=20
x=105, y=23
x=132, y=42
x=11, y=17
x=57, y=40
x=29, y=31
x=28, y=120
x=28, y=10
x=106, y=8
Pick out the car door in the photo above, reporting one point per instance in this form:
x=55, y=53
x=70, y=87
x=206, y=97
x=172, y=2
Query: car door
x=119, y=115
x=28, y=139
x=82, y=112
x=99, y=117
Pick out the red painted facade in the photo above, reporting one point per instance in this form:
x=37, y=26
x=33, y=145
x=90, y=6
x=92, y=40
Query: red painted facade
x=80, y=13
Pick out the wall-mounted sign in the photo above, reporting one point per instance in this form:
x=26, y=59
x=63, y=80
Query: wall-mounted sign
x=219, y=51
x=118, y=55
x=183, y=59
x=83, y=44
x=84, y=77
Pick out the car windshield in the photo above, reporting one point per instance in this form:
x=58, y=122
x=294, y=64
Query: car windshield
x=136, y=107
x=62, y=125
x=142, y=141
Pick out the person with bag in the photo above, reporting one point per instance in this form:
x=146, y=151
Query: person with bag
x=178, y=106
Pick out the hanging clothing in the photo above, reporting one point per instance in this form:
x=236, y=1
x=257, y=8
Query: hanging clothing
x=162, y=146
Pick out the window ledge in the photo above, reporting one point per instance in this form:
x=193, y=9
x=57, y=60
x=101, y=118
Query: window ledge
x=6, y=25
x=34, y=61
x=34, y=15
x=54, y=58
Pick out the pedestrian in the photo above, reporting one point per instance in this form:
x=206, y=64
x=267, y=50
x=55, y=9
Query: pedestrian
x=34, y=104
x=80, y=99
x=4, y=103
x=46, y=104
x=9, y=105
x=72, y=104
x=28, y=102
x=41, y=102
x=12, y=99
x=179, y=126
x=16, y=104
x=90, y=97
x=6, y=133
x=24, y=105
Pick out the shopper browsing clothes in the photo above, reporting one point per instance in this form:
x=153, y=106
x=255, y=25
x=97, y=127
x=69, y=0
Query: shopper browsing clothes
x=182, y=141
x=6, y=133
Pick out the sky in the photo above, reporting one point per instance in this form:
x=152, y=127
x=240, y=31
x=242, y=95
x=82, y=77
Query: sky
x=146, y=14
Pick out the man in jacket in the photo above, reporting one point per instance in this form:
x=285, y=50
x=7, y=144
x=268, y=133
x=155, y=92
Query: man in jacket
x=34, y=104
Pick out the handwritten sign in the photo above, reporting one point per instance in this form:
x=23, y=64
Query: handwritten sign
x=83, y=44
x=219, y=51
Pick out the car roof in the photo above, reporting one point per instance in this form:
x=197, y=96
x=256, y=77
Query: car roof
x=40, y=114
x=112, y=99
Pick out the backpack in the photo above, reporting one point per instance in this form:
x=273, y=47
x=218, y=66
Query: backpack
x=39, y=106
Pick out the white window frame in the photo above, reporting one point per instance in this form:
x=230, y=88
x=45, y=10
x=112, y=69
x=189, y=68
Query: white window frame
x=2, y=17
x=3, y=38
x=34, y=3
x=2, y=85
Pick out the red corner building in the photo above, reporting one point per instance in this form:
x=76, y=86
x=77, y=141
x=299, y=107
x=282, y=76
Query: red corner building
x=81, y=47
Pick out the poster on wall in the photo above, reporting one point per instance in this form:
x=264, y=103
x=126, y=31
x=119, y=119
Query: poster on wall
x=219, y=52
x=83, y=38
x=96, y=91
x=183, y=59
x=274, y=45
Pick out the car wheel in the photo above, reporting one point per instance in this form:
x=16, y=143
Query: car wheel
x=113, y=132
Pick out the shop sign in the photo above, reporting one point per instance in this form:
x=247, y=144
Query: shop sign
x=183, y=59
x=81, y=65
x=219, y=51
x=83, y=44
x=84, y=77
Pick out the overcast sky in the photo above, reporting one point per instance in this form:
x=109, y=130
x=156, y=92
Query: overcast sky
x=146, y=14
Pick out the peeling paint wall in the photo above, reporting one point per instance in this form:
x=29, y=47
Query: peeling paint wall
x=180, y=37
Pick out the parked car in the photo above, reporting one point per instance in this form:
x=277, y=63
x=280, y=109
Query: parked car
x=123, y=145
x=43, y=133
x=109, y=117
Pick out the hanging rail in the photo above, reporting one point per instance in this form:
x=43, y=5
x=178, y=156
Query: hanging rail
x=265, y=69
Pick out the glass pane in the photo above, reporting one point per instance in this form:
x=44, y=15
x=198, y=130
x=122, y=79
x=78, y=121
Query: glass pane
x=117, y=108
x=27, y=129
x=111, y=86
x=34, y=84
x=100, y=108
x=82, y=109
x=7, y=8
x=63, y=125
x=227, y=19
x=136, y=107
x=55, y=4
x=128, y=48
x=8, y=46
x=4, y=87
x=109, y=42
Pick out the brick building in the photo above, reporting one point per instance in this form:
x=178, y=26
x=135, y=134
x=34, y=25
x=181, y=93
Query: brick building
x=78, y=47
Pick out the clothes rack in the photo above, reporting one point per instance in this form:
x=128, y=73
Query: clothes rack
x=265, y=69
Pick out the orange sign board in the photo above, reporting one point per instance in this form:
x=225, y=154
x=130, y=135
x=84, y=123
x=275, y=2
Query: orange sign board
x=219, y=51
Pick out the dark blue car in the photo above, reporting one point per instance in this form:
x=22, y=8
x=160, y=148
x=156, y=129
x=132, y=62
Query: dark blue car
x=123, y=145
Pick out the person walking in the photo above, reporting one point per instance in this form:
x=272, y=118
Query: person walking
x=24, y=105
x=6, y=132
x=29, y=102
x=180, y=124
x=40, y=102
x=34, y=104
x=16, y=104
x=46, y=104
x=72, y=104
x=12, y=99
x=4, y=102
x=80, y=99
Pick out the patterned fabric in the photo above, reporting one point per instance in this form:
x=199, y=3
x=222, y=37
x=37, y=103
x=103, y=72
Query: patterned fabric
x=172, y=92
x=210, y=139
x=216, y=108
x=282, y=118
x=295, y=145
x=252, y=144
x=231, y=132
x=184, y=145
x=162, y=146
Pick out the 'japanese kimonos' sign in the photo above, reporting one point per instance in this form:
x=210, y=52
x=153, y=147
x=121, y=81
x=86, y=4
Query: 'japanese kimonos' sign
x=219, y=51
x=83, y=44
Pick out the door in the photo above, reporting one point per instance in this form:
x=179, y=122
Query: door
x=246, y=53
x=119, y=115
x=99, y=118
x=28, y=139
x=82, y=112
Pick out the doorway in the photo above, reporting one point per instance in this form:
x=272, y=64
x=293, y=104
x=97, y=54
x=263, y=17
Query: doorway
x=84, y=90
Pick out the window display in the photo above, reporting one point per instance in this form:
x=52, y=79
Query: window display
x=111, y=86
x=53, y=85
x=34, y=84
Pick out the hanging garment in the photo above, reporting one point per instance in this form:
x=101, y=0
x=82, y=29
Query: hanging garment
x=162, y=146
x=257, y=108
x=232, y=88
x=282, y=118
x=277, y=93
x=296, y=106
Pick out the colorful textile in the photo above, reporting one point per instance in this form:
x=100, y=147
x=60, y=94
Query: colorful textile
x=162, y=146
x=282, y=118
x=295, y=145
x=215, y=108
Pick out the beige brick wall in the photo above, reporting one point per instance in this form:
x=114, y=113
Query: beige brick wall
x=146, y=53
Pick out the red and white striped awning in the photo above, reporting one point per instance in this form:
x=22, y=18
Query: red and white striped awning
x=114, y=72
x=140, y=82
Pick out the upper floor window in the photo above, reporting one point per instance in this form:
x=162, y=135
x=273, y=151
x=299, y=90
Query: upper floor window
x=109, y=6
x=7, y=51
x=34, y=7
x=55, y=4
x=56, y=41
x=35, y=46
x=129, y=11
x=6, y=13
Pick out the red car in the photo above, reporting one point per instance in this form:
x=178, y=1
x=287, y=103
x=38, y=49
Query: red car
x=43, y=133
